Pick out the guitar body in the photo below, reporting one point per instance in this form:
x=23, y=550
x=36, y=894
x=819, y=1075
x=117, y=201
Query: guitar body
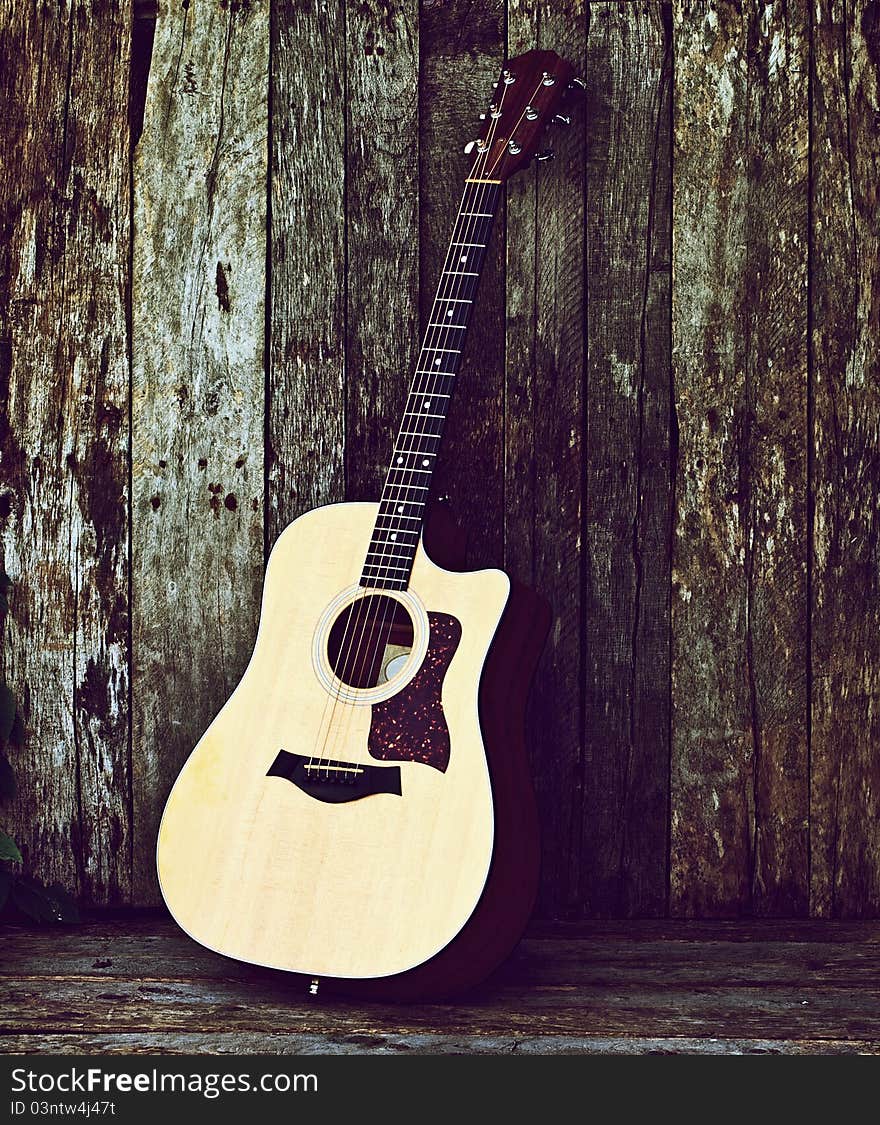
x=309, y=872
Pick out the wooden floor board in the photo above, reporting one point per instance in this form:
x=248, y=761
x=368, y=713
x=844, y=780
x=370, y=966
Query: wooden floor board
x=140, y=986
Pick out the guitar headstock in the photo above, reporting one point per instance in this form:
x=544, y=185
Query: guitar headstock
x=527, y=98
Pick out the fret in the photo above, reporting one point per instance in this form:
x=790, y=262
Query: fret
x=420, y=455
x=415, y=433
x=380, y=553
x=389, y=548
x=405, y=510
x=399, y=465
x=426, y=421
x=398, y=526
x=380, y=566
x=404, y=538
x=453, y=287
x=396, y=518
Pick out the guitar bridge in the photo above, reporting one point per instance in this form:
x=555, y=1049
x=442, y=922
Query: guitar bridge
x=334, y=781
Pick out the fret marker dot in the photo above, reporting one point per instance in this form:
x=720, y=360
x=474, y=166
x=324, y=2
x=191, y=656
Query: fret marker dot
x=393, y=535
x=425, y=462
x=400, y=507
x=449, y=312
x=400, y=460
x=427, y=405
x=463, y=259
x=436, y=362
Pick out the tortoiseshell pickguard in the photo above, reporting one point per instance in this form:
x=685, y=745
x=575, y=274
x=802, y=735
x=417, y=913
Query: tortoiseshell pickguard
x=411, y=726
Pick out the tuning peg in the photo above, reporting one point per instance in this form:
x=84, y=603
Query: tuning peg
x=470, y=146
x=541, y=157
x=578, y=85
x=561, y=119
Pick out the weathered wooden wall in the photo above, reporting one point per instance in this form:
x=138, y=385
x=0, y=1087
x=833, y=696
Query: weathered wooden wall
x=671, y=406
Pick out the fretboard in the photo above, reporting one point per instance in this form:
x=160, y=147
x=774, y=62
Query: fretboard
x=398, y=525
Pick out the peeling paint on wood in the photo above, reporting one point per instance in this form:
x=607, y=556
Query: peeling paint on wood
x=382, y=200
x=846, y=460
x=462, y=48
x=544, y=398
x=739, y=707
x=64, y=187
x=628, y=485
x=306, y=401
x=198, y=386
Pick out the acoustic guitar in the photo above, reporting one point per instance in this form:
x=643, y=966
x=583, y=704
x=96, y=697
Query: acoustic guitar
x=360, y=811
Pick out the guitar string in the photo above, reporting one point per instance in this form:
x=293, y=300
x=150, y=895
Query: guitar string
x=468, y=205
x=405, y=490
x=476, y=207
x=466, y=228
x=365, y=634
x=367, y=631
x=435, y=335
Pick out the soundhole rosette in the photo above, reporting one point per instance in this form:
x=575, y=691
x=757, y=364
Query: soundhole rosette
x=402, y=666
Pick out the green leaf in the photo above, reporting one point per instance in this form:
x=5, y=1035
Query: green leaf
x=7, y=779
x=9, y=849
x=6, y=881
x=44, y=904
x=7, y=712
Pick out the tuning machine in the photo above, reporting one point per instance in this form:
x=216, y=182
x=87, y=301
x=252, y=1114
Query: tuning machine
x=543, y=157
x=561, y=119
x=577, y=86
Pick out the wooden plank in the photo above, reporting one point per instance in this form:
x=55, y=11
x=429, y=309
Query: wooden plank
x=198, y=387
x=64, y=379
x=382, y=265
x=292, y=1043
x=764, y=985
x=254, y=1043
x=845, y=290
x=679, y=956
x=544, y=413
x=462, y=51
x=628, y=475
x=95, y=1006
x=306, y=403
x=739, y=746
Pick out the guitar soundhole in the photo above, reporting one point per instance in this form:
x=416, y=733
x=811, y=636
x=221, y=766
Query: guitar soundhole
x=370, y=641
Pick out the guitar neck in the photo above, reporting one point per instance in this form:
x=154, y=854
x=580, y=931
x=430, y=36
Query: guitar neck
x=398, y=525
